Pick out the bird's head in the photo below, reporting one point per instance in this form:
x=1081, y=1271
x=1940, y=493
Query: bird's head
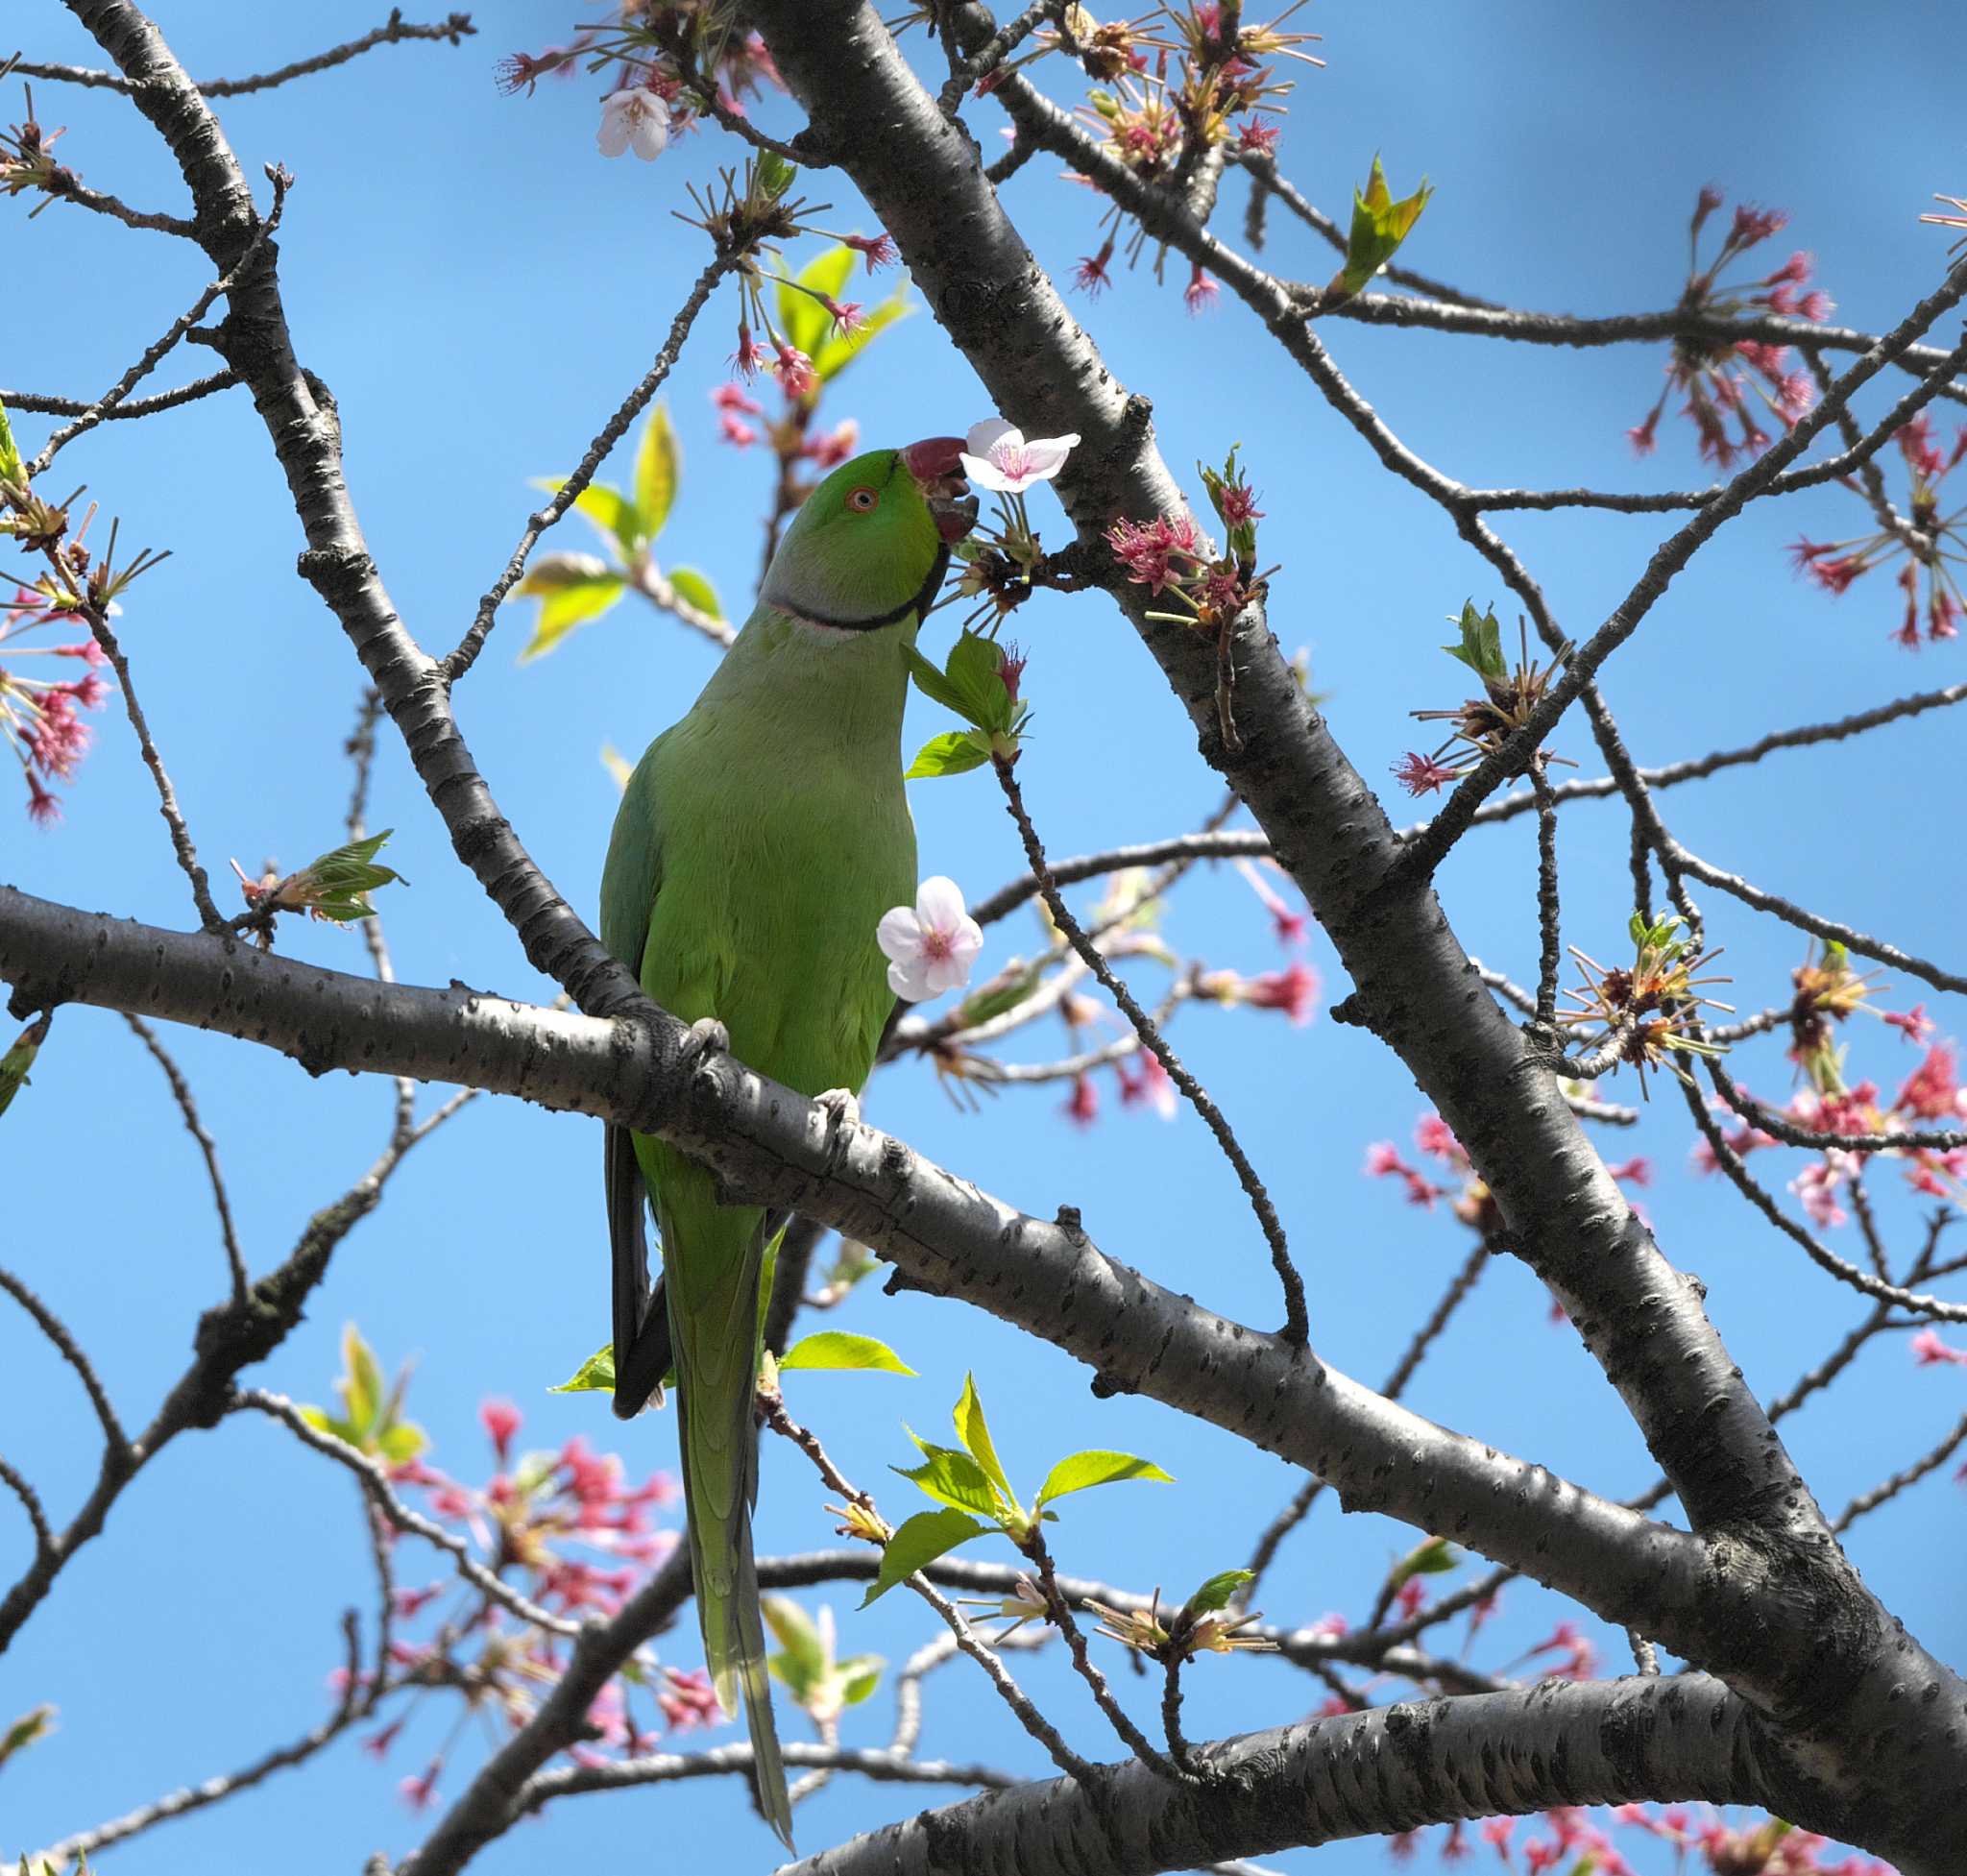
x=870, y=545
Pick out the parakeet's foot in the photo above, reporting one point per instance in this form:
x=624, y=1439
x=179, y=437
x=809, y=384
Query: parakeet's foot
x=706, y=1038
x=843, y=1112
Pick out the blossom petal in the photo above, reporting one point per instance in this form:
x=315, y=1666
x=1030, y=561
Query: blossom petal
x=1045, y=456
x=984, y=438
x=910, y=980
x=939, y=903
x=900, y=936
x=983, y=473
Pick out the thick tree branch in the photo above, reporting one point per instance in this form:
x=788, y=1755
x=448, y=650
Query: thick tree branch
x=1388, y=1770
x=774, y=1145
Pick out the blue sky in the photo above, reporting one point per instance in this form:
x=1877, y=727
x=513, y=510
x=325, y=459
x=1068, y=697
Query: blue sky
x=478, y=288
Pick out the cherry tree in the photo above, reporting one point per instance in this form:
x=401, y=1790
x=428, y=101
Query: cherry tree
x=1777, y=1715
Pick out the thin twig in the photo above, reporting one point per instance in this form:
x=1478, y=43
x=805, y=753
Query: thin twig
x=466, y=654
x=1891, y=1487
x=1420, y=855
x=965, y=1636
x=872, y=1763
x=31, y=1504
x=375, y=1483
x=154, y=353
x=1673, y=774
x=1818, y=926
x=1297, y=1327
x=65, y=185
x=1820, y=1254
x=457, y=27
x=71, y=1351
x=1550, y=957
x=355, y=1705
x=1132, y=1736
x=207, y=1147
x=209, y=916
x=45, y=405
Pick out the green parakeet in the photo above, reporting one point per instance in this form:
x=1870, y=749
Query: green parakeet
x=758, y=843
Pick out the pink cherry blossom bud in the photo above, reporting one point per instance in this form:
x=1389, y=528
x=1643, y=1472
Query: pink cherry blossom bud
x=794, y=369
x=500, y=1420
x=876, y=250
x=1420, y=774
x=1090, y=275
x=750, y=357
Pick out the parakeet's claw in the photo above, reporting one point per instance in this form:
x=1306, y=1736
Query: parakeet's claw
x=842, y=1113
x=706, y=1038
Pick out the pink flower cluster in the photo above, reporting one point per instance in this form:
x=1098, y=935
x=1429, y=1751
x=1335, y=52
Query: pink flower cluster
x=40, y=717
x=1932, y=1093
x=1710, y=372
x=521, y=1522
x=1723, y=1849
x=1927, y=546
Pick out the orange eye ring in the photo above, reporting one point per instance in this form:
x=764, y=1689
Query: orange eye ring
x=863, y=500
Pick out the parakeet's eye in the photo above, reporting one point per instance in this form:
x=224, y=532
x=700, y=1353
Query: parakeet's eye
x=863, y=500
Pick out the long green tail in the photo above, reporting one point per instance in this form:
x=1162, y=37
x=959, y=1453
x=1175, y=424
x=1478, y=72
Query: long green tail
x=712, y=1259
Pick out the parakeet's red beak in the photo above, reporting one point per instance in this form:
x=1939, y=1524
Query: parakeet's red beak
x=936, y=464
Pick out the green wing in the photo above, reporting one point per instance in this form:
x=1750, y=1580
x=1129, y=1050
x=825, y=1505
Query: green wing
x=629, y=884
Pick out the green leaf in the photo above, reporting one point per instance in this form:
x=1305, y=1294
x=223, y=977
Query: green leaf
x=860, y=1675
x=1481, y=646
x=11, y=464
x=612, y=513
x=920, y=1540
x=596, y=1375
x=974, y=666
x=955, y=752
x=834, y=1348
x=1216, y=1592
x=31, y=1727
x=774, y=174
x=802, y=319
x=658, y=468
x=1379, y=225
x=361, y=1385
x=692, y=587
x=401, y=1443
x=334, y=884
x=952, y=1478
x=974, y=1430
x=933, y=685
x=804, y=1663
x=839, y=350
x=1085, y=1470
x=21, y=1058
x=1430, y=1559
x=566, y=605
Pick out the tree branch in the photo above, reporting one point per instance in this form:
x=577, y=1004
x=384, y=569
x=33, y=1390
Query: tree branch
x=1387, y=1769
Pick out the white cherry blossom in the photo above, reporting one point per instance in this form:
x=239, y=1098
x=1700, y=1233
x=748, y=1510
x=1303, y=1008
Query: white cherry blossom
x=1001, y=458
x=931, y=948
x=635, y=120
